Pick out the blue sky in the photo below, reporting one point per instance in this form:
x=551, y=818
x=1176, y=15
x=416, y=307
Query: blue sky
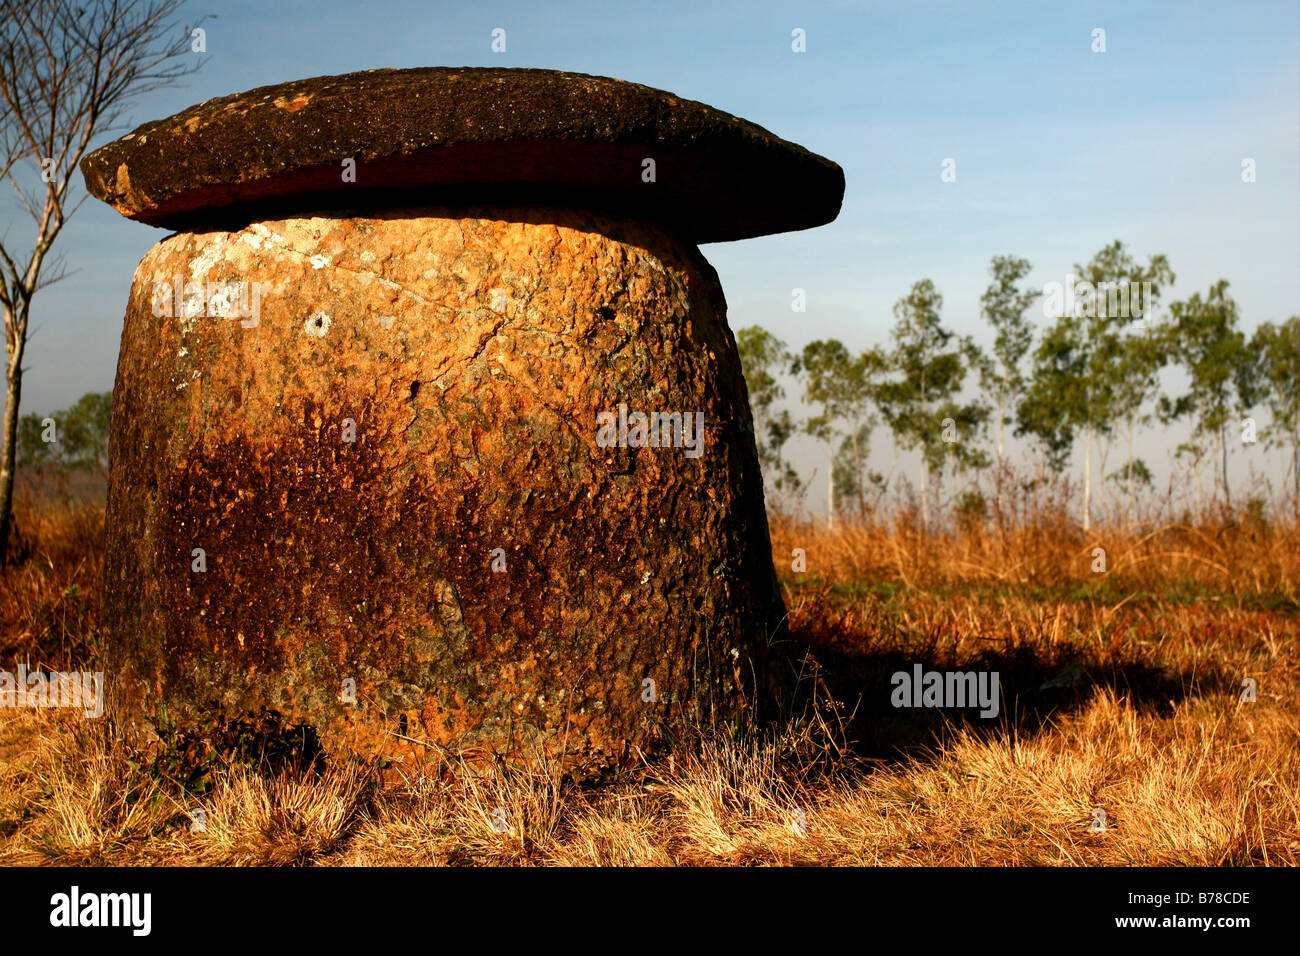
x=1058, y=149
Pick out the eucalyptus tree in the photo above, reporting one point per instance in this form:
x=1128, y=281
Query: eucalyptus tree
x=1003, y=306
x=963, y=426
x=1203, y=338
x=929, y=369
x=859, y=395
x=1073, y=389
x=826, y=367
x=1137, y=359
x=73, y=438
x=1275, y=353
x=763, y=359
x=1054, y=398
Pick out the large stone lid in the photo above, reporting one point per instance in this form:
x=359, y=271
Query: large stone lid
x=445, y=136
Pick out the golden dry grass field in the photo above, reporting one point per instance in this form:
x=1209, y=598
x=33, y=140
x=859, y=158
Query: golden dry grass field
x=1122, y=693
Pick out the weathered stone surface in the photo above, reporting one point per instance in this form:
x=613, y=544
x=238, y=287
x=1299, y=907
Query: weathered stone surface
x=475, y=429
x=467, y=135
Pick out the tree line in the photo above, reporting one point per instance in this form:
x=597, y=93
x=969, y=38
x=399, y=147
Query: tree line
x=1092, y=377
x=75, y=438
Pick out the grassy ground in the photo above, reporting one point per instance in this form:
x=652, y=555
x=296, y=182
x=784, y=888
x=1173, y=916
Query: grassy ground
x=1122, y=692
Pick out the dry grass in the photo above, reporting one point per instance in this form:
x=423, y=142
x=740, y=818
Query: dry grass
x=1123, y=692
x=49, y=600
x=1240, y=558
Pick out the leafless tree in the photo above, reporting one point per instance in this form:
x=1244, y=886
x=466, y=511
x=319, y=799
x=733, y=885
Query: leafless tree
x=68, y=71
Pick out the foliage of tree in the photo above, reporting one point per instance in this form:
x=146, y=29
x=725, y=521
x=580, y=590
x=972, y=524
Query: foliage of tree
x=827, y=370
x=1137, y=358
x=79, y=435
x=1003, y=306
x=1094, y=375
x=1074, y=388
x=851, y=476
x=763, y=359
x=1274, y=380
x=1204, y=341
x=929, y=370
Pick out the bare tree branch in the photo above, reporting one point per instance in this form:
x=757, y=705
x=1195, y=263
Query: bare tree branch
x=69, y=70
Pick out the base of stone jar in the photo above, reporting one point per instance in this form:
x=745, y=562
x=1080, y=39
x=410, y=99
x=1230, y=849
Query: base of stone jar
x=358, y=484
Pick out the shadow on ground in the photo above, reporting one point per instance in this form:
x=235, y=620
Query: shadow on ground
x=1035, y=685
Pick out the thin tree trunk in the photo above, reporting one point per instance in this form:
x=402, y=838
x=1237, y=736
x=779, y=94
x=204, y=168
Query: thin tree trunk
x=952, y=479
x=1101, y=473
x=1087, y=479
x=857, y=462
x=925, y=489
x=830, y=480
x=1295, y=471
x=1132, y=505
x=880, y=495
x=1223, y=447
x=1198, y=489
x=925, y=493
x=998, y=486
x=9, y=445
x=1038, y=483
